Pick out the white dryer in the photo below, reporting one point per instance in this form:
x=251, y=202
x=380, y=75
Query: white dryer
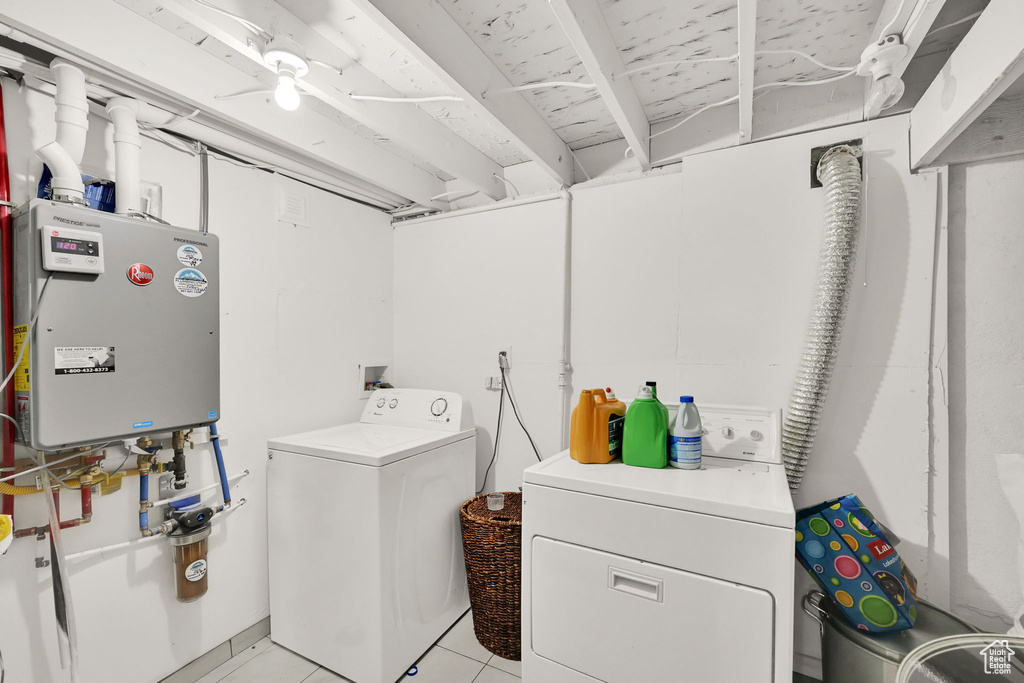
x=366, y=563
x=634, y=574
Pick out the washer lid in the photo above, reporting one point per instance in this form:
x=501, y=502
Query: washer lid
x=753, y=492
x=367, y=444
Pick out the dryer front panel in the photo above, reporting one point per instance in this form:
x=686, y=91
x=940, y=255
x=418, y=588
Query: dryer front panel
x=621, y=620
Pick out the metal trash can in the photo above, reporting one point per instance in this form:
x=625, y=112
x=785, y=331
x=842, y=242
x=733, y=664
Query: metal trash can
x=849, y=655
x=492, y=544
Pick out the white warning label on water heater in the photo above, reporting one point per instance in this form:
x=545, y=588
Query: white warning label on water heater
x=190, y=282
x=189, y=255
x=83, y=360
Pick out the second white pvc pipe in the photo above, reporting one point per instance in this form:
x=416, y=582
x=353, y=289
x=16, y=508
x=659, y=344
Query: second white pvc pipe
x=123, y=112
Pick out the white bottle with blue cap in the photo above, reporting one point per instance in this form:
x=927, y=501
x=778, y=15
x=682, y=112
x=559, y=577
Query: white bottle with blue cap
x=685, y=436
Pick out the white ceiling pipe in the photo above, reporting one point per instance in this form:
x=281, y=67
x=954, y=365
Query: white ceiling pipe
x=72, y=114
x=123, y=112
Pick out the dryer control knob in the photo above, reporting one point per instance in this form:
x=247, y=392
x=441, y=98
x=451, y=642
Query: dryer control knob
x=727, y=432
x=394, y=403
x=438, y=407
x=756, y=435
x=380, y=403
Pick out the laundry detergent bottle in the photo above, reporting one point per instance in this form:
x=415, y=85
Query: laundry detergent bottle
x=595, y=433
x=684, y=443
x=646, y=434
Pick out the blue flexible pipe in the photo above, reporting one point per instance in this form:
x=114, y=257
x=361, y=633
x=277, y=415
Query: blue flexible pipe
x=225, y=489
x=143, y=499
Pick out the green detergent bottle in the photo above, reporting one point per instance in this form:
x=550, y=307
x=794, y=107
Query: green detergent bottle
x=645, y=436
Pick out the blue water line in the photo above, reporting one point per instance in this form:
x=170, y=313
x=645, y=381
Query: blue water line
x=143, y=499
x=225, y=489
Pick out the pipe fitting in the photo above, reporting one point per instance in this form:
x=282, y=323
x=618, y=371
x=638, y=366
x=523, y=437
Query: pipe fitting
x=66, y=180
x=72, y=114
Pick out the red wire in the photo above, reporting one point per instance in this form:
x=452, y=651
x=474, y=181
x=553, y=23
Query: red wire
x=7, y=295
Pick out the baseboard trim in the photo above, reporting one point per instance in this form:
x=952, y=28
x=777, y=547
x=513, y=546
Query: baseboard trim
x=205, y=663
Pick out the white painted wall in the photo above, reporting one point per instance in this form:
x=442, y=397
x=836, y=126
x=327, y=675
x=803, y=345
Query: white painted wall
x=300, y=308
x=986, y=385
x=702, y=281
x=468, y=285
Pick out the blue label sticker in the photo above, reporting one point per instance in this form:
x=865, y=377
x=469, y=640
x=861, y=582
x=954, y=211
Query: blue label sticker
x=140, y=425
x=213, y=415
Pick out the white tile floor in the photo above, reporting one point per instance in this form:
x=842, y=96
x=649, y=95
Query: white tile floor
x=456, y=658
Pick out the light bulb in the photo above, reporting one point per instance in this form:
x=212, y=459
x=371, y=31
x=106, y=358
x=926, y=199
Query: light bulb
x=286, y=95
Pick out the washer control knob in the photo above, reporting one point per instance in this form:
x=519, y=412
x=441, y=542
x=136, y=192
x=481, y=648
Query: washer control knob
x=438, y=407
x=394, y=403
x=728, y=432
x=756, y=435
x=381, y=402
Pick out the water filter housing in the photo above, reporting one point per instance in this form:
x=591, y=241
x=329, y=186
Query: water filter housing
x=128, y=338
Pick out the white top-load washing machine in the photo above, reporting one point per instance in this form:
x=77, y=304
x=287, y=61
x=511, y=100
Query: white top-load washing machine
x=366, y=563
x=633, y=574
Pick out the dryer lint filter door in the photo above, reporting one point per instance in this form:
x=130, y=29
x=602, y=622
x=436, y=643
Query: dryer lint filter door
x=620, y=620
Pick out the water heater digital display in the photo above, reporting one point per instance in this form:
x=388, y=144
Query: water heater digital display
x=70, y=250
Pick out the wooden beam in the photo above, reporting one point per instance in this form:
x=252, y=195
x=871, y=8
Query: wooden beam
x=987, y=62
x=588, y=32
x=746, y=37
x=912, y=24
x=999, y=132
x=164, y=63
x=407, y=125
x=423, y=28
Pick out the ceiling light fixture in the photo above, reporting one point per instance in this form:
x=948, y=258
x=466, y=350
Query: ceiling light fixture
x=878, y=62
x=286, y=60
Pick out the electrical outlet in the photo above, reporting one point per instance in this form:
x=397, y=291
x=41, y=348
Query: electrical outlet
x=507, y=350
x=493, y=383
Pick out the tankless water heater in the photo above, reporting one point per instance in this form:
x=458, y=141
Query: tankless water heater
x=127, y=337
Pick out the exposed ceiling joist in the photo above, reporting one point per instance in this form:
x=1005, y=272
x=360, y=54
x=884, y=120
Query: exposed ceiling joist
x=746, y=22
x=587, y=30
x=912, y=20
x=409, y=126
x=424, y=29
x=986, y=63
x=162, y=62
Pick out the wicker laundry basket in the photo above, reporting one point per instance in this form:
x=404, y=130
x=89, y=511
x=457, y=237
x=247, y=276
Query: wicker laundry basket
x=491, y=541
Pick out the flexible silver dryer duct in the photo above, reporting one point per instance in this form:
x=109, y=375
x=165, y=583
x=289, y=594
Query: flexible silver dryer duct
x=839, y=173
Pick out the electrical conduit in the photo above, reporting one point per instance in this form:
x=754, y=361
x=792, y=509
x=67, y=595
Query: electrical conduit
x=839, y=173
x=564, y=366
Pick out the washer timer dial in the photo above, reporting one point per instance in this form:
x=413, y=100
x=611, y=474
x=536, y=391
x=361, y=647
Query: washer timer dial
x=438, y=407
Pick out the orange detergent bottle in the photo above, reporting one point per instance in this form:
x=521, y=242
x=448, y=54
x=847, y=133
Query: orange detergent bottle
x=595, y=435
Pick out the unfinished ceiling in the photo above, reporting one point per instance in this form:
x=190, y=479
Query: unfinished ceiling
x=509, y=81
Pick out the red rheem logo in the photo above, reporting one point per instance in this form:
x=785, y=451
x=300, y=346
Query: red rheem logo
x=880, y=549
x=140, y=274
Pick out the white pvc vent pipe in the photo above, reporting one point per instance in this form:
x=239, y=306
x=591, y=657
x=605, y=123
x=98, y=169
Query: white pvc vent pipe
x=839, y=173
x=123, y=112
x=64, y=155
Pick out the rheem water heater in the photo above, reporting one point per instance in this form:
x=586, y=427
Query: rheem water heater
x=126, y=334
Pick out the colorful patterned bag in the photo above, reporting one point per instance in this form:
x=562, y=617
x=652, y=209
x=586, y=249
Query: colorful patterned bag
x=845, y=549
